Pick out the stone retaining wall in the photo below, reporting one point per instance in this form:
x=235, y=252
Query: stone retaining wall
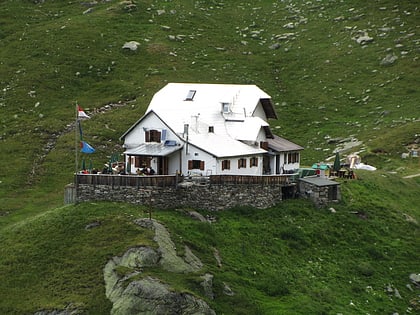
x=186, y=195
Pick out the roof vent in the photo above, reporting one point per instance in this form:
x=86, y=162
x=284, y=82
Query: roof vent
x=225, y=107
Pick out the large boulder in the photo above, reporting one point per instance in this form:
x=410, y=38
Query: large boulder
x=131, y=292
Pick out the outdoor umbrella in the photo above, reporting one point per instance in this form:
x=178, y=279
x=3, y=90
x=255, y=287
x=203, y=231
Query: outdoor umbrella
x=128, y=168
x=320, y=166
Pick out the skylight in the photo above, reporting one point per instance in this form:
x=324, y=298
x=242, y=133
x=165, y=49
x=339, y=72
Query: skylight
x=190, y=95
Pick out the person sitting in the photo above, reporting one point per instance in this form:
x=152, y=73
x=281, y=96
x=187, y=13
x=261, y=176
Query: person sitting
x=105, y=169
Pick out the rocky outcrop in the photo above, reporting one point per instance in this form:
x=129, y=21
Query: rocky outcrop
x=133, y=293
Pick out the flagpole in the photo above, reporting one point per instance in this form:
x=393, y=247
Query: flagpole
x=75, y=140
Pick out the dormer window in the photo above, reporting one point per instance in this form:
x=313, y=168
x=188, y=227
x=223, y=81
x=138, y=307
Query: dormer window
x=190, y=95
x=225, y=107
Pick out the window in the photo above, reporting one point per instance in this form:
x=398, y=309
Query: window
x=196, y=165
x=242, y=163
x=225, y=165
x=211, y=129
x=152, y=136
x=293, y=157
x=253, y=161
x=190, y=95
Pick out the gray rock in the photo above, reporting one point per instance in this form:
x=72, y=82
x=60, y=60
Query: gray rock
x=70, y=309
x=90, y=10
x=150, y=296
x=92, y=225
x=207, y=285
x=198, y=216
x=132, y=293
x=415, y=278
x=227, y=290
x=131, y=45
x=388, y=60
x=274, y=46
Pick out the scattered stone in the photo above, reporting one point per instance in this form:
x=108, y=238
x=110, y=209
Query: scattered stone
x=415, y=279
x=409, y=218
x=217, y=257
x=289, y=25
x=227, y=290
x=388, y=60
x=131, y=45
x=92, y=225
x=274, y=46
x=363, y=38
x=128, y=5
x=197, y=216
x=90, y=10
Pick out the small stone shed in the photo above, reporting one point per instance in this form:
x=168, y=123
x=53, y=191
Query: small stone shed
x=320, y=190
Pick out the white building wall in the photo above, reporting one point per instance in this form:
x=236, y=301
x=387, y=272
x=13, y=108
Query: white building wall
x=234, y=170
x=259, y=112
x=190, y=152
x=174, y=160
x=137, y=136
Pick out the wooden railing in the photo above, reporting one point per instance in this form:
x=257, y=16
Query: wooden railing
x=173, y=180
x=127, y=180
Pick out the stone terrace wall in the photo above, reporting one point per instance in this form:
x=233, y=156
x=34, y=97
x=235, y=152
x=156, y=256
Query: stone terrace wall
x=188, y=195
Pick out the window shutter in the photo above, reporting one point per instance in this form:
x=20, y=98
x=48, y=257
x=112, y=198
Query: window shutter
x=239, y=163
x=228, y=164
x=264, y=145
x=147, y=136
x=190, y=164
x=202, y=165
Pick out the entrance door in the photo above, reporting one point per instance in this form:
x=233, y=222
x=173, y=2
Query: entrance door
x=162, y=165
x=266, y=165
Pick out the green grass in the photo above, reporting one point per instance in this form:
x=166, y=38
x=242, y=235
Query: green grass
x=273, y=259
x=290, y=259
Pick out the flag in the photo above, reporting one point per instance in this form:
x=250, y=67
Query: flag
x=81, y=113
x=86, y=147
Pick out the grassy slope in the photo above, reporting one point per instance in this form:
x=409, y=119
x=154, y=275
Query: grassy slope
x=318, y=81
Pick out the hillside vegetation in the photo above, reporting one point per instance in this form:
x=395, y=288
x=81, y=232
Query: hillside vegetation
x=340, y=73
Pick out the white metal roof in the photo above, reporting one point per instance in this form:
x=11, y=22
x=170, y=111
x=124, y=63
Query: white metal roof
x=200, y=106
x=247, y=130
x=222, y=145
x=153, y=149
x=172, y=105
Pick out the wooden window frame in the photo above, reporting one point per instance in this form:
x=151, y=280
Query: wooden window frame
x=196, y=165
x=241, y=163
x=225, y=165
x=152, y=135
x=292, y=157
x=253, y=161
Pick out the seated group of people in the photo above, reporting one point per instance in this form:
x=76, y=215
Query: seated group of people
x=146, y=170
